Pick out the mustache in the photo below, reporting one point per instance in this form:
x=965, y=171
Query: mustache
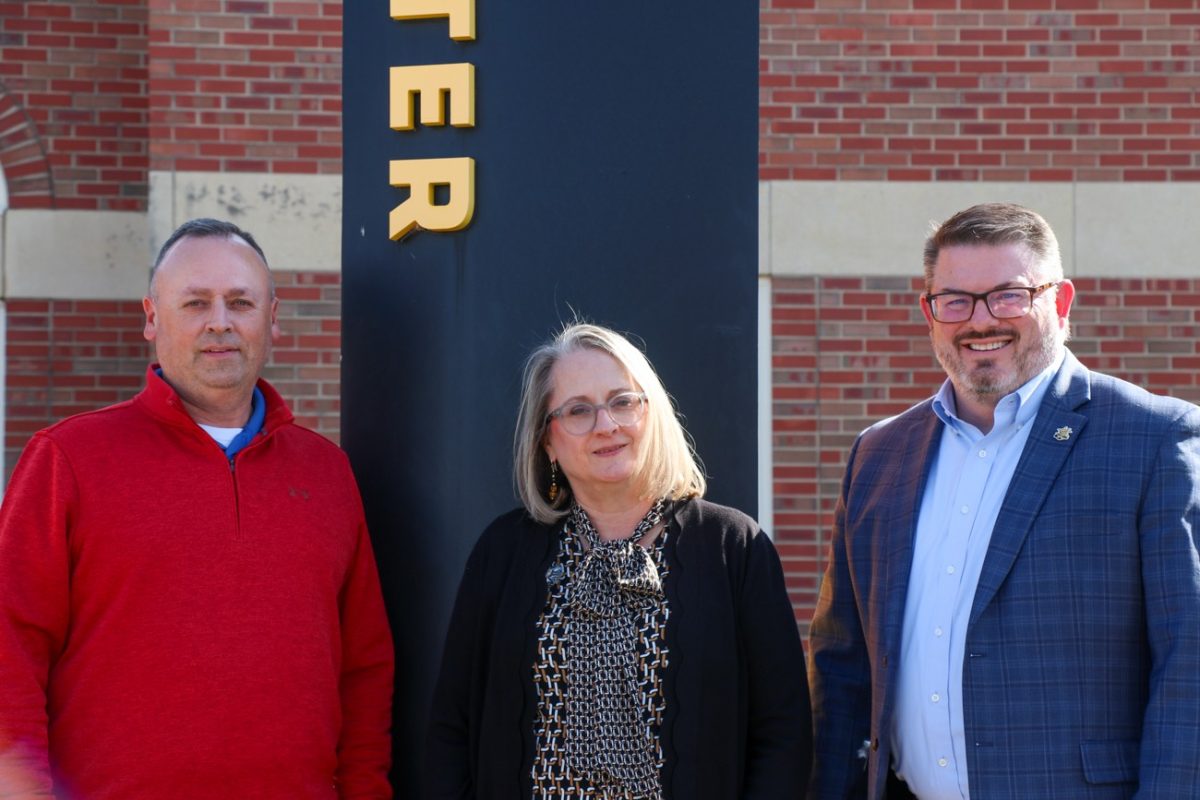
x=988, y=333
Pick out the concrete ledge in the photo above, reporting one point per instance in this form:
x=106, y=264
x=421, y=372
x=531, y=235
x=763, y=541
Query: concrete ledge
x=876, y=228
x=105, y=255
x=805, y=228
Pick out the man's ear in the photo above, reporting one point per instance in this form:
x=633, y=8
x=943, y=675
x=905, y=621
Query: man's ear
x=925, y=310
x=149, y=331
x=1064, y=296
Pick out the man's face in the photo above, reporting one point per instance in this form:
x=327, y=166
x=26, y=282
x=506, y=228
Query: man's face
x=987, y=358
x=212, y=319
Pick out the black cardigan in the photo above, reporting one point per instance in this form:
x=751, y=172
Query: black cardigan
x=737, y=722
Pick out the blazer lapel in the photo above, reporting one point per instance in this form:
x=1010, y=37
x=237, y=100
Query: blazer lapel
x=1056, y=428
x=922, y=443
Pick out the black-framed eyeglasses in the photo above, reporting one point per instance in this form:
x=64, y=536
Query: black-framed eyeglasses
x=1007, y=303
x=578, y=417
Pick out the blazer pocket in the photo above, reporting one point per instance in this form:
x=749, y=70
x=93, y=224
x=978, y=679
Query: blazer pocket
x=1110, y=761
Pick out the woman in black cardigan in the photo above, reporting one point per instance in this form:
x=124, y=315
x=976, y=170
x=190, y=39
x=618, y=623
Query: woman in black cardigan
x=618, y=636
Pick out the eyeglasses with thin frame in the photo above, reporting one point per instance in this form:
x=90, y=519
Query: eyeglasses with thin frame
x=1007, y=303
x=579, y=418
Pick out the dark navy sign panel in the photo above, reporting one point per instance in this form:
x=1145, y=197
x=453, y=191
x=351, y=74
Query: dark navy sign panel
x=615, y=148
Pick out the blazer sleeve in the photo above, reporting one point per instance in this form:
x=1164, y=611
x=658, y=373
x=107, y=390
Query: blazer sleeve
x=35, y=567
x=779, y=734
x=839, y=671
x=1170, y=747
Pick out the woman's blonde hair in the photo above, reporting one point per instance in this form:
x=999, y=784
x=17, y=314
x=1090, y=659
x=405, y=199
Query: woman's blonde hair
x=669, y=466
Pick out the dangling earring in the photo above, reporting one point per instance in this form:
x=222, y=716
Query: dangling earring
x=553, y=493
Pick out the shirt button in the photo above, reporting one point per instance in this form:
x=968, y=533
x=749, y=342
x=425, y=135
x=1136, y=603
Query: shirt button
x=937, y=631
x=950, y=570
x=942, y=762
x=935, y=697
x=964, y=510
x=983, y=453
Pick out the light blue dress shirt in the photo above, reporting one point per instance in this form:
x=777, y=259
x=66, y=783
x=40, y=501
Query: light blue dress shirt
x=967, y=483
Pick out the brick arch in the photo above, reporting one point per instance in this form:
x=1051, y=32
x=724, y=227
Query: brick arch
x=23, y=156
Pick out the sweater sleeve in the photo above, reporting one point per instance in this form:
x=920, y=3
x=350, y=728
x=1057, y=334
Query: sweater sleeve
x=35, y=522
x=779, y=733
x=364, y=746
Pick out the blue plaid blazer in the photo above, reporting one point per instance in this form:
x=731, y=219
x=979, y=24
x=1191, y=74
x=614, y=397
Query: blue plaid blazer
x=1082, y=675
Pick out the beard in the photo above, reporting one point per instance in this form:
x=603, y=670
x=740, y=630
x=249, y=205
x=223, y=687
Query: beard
x=989, y=379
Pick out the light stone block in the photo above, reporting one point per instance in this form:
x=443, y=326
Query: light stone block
x=82, y=255
x=1135, y=230
x=297, y=219
x=875, y=228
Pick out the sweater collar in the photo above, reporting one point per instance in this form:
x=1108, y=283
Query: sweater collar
x=161, y=400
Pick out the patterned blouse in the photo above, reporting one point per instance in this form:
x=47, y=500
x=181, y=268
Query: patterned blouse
x=601, y=659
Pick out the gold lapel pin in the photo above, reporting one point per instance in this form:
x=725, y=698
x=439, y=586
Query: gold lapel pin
x=1062, y=434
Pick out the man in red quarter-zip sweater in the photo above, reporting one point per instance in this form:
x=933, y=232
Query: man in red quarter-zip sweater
x=189, y=605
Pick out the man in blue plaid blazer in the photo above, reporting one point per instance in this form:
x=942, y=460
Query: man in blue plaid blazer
x=1011, y=609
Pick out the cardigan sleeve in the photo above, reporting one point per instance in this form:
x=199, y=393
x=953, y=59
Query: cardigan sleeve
x=448, y=766
x=34, y=610
x=779, y=728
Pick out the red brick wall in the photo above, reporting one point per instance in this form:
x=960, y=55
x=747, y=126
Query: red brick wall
x=246, y=86
x=966, y=90
x=306, y=366
x=69, y=356
x=850, y=351
x=73, y=103
x=95, y=92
